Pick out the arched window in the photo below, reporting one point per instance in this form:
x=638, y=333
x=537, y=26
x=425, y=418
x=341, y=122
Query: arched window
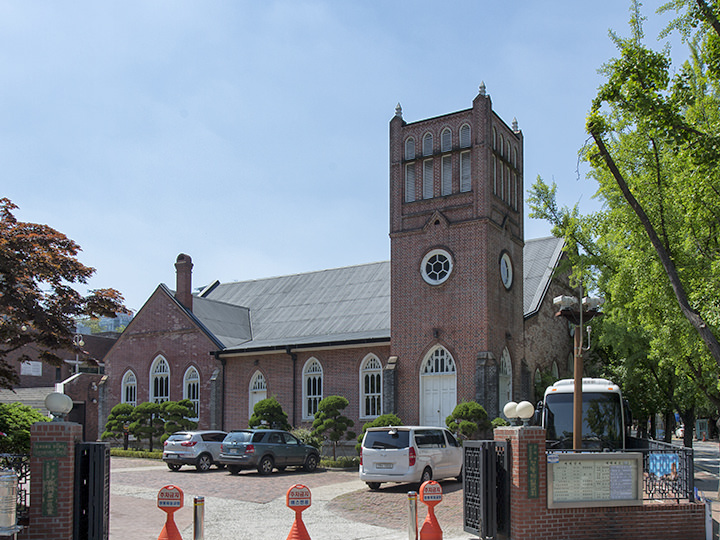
x=312, y=387
x=410, y=148
x=494, y=138
x=446, y=140
x=438, y=387
x=191, y=389
x=129, y=388
x=465, y=139
x=505, y=389
x=370, y=387
x=257, y=391
x=159, y=380
x=427, y=144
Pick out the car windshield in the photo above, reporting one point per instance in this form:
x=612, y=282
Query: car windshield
x=240, y=436
x=601, y=420
x=386, y=439
x=180, y=437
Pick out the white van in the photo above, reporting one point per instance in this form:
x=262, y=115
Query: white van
x=409, y=454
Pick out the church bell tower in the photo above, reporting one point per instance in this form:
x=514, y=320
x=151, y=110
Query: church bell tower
x=456, y=236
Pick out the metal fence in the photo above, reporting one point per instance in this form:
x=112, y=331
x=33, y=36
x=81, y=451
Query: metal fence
x=20, y=463
x=486, y=488
x=668, y=470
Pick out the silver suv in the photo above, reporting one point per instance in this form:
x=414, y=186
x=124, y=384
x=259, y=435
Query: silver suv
x=409, y=454
x=199, y=448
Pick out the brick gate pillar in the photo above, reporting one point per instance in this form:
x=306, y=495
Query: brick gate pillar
x=52, y=480
x=528, y=495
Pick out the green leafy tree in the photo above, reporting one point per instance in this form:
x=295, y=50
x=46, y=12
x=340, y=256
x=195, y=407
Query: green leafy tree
x=381, y=421
x=38, y=304
x=176, y=415
x=469, y=420
x=15, y=422
x=330, y=422
x=269, y=414
x=147, y=422
x=653, y=251
x=118, y=423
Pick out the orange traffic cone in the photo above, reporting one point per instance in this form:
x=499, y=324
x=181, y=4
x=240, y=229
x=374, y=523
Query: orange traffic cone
x=298, y=530
x=170, y=530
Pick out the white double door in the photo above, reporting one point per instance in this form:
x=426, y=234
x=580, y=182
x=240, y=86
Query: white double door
x=438, y=398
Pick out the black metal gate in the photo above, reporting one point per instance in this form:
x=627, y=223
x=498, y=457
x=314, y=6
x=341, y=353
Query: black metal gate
x=486, y=488
x=92, y=491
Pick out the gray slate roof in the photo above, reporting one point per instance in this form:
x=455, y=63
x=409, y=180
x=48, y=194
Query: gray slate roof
x=540, y=258
x=330, y=306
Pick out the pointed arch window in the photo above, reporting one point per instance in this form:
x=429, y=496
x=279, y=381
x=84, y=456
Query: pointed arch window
x=257, y=391
x=427, y=144
x=465, y=175
x=370, y=387
x=465, y=136
x=439, y=362
x=160, y=380
x=312, y=387
x=191, y=389
x=129, y=388
x=446, y=140
x=410, y=148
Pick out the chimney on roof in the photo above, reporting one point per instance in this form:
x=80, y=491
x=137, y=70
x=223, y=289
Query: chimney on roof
x=183, y=290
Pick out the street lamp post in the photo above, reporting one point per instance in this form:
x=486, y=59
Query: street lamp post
x=578, y=313
x=78, y=341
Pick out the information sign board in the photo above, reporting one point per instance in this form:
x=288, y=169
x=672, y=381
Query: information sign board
x=298, y=497
x=577, y=480
x=170, y=498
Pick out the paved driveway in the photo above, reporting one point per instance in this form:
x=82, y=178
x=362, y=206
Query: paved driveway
x=253, y=506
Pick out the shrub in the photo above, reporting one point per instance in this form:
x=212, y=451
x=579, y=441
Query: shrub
x=15, y=422
x=330, y=421
x=469, y=420
x=268, y=414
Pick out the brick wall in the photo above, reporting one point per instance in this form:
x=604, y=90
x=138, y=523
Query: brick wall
x=530, y=519
x=161, y=327
x=341, y=376
x=52, y=470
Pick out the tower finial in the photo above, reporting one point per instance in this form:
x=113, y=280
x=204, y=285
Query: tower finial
x=515, y=127
x=482, y=88
x=398, y=110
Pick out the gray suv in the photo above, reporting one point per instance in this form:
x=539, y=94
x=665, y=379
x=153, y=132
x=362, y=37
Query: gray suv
x=199, y=448
x=265, y=450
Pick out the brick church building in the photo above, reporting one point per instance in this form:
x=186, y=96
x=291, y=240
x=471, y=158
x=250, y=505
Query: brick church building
x=462, y=311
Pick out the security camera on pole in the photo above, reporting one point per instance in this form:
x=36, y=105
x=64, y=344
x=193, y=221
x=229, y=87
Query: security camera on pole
x=578, y=313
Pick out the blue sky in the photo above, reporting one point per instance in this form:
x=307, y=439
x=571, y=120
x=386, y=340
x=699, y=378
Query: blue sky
x=253, y=136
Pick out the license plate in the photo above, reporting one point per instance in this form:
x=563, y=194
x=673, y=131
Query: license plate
x=383, y=465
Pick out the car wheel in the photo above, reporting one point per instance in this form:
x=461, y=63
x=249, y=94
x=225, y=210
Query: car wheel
x=234, y=469
x=311, y=463
x=373, y=485
x=203, y=463
x=174, y=466
x=426, y=475
x=266, y=465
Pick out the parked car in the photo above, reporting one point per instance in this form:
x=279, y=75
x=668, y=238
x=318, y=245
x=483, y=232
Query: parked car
x=409, y=454
x=265, y=450
x=199, y=448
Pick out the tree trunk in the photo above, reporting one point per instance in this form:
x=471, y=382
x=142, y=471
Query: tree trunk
x=690, y=314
